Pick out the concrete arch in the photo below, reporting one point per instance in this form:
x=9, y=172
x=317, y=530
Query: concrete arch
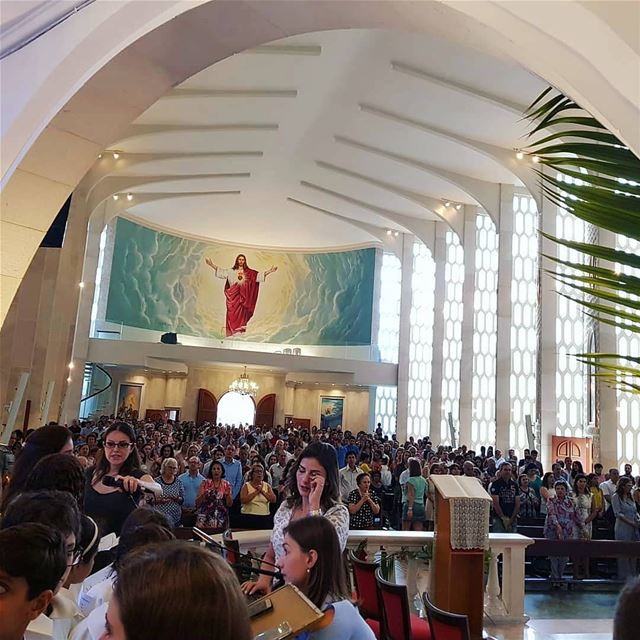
x=93, y=76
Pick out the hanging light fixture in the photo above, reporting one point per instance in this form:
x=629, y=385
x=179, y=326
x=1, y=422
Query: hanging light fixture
x=243, y=385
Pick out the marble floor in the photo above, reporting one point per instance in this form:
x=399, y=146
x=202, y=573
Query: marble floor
x=566, y=629
x=562, y=616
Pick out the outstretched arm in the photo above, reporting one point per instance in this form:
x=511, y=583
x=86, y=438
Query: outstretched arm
x=211, y=263
x=270, y=271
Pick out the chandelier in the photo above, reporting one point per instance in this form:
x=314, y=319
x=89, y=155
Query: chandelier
x=243, y=385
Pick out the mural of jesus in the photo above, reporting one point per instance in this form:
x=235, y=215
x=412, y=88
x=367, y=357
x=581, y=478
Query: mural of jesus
x=241, y=291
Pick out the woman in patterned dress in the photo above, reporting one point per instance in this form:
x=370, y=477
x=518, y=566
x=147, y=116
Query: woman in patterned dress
x=314, y=490
x=363, y=505
x=561, y=523
x=170, y=502
x=214, y=499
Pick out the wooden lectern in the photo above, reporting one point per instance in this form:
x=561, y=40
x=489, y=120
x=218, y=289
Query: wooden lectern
x=461, y=536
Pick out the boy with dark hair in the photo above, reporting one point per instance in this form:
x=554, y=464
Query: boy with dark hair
x=32, y=564
x=58, y=510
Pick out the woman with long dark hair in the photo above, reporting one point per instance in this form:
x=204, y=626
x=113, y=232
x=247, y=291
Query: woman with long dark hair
x=40, y=443
x=314, y=490
x=313, y=562
x=110, y=505
x=627, y=525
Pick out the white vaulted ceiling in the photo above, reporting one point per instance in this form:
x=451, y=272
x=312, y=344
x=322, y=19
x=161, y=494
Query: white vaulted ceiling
x=313, y=140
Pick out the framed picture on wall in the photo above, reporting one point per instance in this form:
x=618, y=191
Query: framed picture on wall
x=128, y=400
x=331, y=411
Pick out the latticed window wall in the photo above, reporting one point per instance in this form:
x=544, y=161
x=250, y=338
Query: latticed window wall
x=571, y=330
x=628, y=403
x=386, y=409
x=524, y=300
x=421, y=341
x=485, y=319
x=452, y=344
x=388, y=337
x=389, y=305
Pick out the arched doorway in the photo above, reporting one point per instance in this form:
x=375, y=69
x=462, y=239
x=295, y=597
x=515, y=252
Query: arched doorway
x=236, y=408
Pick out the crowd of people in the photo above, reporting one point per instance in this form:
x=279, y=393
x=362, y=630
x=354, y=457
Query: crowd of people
x=67, y=488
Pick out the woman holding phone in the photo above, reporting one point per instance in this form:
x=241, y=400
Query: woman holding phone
x=314, y=490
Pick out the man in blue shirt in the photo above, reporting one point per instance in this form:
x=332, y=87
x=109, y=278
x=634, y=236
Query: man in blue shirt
x=341, y=451
x=232, y=470
x=191, y=479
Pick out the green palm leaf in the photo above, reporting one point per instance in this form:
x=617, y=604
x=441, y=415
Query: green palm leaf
x=576, y=145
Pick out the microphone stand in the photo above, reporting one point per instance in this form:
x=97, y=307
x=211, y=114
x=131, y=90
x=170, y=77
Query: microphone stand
x=205, y=537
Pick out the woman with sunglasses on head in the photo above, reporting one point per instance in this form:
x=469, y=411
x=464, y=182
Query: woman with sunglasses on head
x=107, y=504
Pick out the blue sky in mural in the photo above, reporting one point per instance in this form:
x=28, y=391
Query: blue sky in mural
x=161, y=282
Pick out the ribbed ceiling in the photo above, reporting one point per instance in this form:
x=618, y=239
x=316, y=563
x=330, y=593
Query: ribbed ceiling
x=307, y=141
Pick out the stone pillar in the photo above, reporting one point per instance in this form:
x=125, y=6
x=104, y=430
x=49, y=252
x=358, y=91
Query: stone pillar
x=504, y=311
x=608, y=418
x=439, y=256
x=468, y=290
x=546, y=404
x=91, y=245
x=404, y=337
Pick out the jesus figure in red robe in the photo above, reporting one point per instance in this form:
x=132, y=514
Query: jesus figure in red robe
x=241, y=292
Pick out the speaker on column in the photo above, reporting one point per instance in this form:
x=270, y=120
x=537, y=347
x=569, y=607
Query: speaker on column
x=169, y=338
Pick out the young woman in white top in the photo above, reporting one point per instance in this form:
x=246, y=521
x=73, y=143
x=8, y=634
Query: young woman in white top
x=314, y=490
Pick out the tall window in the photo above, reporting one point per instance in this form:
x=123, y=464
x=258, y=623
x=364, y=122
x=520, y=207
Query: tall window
x=452, y=343
x=420, y=341
x=96, y=293
x=628, y=403
x=389, y=325
x=524, y=300
x=571, y=332
x=386, y=409
x=485, y=327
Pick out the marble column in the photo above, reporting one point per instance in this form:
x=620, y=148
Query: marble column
x=404, y=337
x=608, y=417
x=439, y=256
x=504, y=311
x=466, y=359
x=546, y=405
x=73, y=394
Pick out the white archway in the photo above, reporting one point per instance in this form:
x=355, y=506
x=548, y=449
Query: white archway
x=92, y=76
x=236, y=408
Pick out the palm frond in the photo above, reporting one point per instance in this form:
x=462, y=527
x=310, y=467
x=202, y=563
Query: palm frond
x=603, y=190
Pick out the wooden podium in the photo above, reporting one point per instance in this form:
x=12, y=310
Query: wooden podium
x=461, y=535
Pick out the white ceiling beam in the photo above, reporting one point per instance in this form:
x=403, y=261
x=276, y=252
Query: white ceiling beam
x=371, y=229
x=285, y=50
x=231, y=93
x=117, y=207
x=139, y=130
x=108, y=165
x=430, y=204
x=417, y=226
x=114, y=185
x=522, y=169
x=432, y=78
x=487, y=194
